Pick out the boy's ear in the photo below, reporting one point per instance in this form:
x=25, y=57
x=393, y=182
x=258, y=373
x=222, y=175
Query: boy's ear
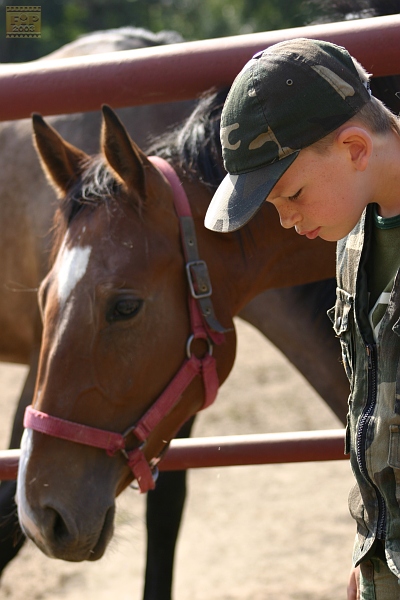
x=358, y=143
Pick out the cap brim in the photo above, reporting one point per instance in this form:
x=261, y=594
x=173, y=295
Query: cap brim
x=239, y=197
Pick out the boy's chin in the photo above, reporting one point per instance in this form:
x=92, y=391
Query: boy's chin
x=332, y=236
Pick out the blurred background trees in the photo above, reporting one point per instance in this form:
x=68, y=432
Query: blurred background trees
x=64, y=20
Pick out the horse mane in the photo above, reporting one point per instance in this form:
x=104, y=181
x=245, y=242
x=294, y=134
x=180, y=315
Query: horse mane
x=194, y=148
x=96, y=185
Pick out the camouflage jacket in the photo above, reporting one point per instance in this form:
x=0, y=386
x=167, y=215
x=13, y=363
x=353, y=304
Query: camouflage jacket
x=373, y=430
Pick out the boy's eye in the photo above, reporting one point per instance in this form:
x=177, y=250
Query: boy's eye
x=296, y=195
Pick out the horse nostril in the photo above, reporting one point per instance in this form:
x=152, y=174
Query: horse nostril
x=57, y=530
x=60, y=529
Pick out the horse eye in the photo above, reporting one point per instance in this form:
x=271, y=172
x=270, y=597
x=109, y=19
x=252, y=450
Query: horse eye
x=125, y=309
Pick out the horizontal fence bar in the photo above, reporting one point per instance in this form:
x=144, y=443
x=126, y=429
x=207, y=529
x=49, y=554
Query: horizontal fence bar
x=9, y=464
x=254, y=449
x=233, y=450
x=176, y=71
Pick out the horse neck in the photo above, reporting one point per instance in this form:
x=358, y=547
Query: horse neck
x=260, y=256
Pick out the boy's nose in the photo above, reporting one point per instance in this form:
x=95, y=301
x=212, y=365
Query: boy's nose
x=289, y=218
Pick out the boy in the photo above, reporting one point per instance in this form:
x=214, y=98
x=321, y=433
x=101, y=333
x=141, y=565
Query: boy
x=300, y=129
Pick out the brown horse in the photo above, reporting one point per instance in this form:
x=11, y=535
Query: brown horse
x=27, y=209
x=116, y=330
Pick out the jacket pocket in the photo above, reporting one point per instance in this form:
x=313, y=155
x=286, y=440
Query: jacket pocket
x=341, y=315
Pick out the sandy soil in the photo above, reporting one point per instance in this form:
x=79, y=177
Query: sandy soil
x=276, y=532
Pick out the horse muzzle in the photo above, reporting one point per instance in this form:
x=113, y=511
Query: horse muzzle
x=59, y=524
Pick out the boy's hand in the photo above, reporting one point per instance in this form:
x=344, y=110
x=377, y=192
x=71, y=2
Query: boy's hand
x=353, y=588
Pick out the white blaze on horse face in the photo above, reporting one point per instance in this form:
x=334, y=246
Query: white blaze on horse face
x=26, y=448
x=72, y=265
x=24, y=511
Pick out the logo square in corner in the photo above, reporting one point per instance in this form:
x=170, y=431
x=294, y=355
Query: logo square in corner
x=23, y=21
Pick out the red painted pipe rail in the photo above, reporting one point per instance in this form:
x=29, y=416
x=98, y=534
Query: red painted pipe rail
x=255, y=449
x=176, y=71
x=227, y=451
x=9, y=464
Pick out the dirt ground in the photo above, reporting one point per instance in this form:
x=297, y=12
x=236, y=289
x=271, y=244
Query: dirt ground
x=274, y=532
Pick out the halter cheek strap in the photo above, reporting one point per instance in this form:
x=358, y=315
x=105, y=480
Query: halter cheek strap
x=204, y=325
x=196, y=270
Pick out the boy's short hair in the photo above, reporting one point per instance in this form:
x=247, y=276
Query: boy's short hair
x=286, y=98
x=374, y=116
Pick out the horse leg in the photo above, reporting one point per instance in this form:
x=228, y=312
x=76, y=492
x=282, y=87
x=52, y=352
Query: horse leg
x=11, y=536
x=295, y=320
x=164, y=512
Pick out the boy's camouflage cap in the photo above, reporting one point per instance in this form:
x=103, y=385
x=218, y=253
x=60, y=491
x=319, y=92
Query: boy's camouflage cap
x=286, y=98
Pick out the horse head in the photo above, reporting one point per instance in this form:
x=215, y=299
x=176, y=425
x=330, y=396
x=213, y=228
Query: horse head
x=116, y=322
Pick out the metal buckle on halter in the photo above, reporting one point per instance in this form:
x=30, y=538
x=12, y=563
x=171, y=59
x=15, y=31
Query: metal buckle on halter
x=153, y=467
x=125, y=434
x=124, y=451
x=189, y=343
x=197, y=274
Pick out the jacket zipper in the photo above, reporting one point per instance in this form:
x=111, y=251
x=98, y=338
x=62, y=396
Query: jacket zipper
x=362, y=435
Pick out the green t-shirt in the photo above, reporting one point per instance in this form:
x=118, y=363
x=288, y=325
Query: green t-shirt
x=382, y=266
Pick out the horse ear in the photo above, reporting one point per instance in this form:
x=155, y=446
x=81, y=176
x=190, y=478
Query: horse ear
x=61, y=161
x=123, y=155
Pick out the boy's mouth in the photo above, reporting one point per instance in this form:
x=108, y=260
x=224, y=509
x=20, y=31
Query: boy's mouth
x=312, y=234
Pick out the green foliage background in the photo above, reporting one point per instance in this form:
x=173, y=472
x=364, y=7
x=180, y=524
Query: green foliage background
x=64, y=20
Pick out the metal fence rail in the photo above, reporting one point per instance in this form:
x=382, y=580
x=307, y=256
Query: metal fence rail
x=176, y=71
x=227, y=451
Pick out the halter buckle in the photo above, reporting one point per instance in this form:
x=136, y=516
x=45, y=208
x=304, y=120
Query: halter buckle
x=199, y=279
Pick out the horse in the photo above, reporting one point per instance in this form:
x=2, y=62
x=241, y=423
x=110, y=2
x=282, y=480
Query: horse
x=127, y=355
x=26, y=213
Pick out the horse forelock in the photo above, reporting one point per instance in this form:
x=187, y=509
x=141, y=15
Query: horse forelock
x=96, y=185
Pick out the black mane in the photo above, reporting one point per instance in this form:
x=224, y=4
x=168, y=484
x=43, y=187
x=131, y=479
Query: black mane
x=194, y=148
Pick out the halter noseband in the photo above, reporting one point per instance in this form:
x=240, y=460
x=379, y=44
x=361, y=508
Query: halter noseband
x=204, y=325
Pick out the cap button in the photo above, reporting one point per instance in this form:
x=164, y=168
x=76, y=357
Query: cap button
x=258, y=54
